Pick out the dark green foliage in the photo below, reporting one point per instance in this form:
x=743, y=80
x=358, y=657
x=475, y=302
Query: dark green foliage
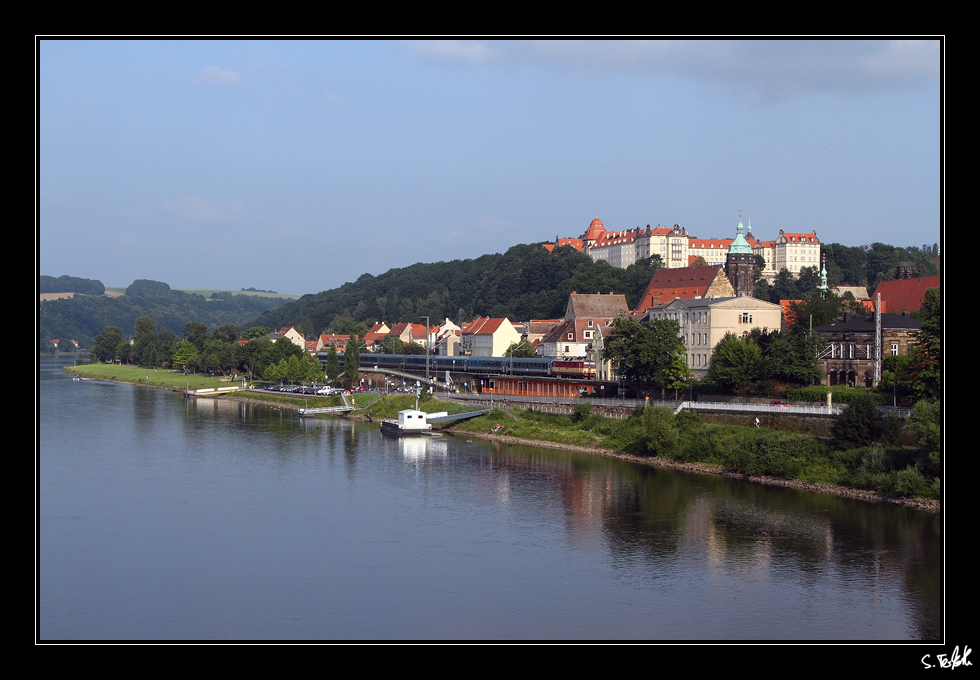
x=580, y=412
x=145, y=287
x=660, y=431
x=522, y=349
x=735, y=363
x=859, y=424
x=70, y=284
x=105, y=344
x=332, y=368
x=526, y=282
x=652, y=355
x=910, y=482
x=352, y=361
x=816, y=308
x=83, y=317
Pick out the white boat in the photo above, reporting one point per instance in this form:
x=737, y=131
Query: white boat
x=410, y=421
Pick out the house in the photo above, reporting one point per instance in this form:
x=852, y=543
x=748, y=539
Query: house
x=905, y=294
x=486, y=337
x=289, y=333
x=581, y=334
x=410, y=332
x=704, y=322
x=849, y=358
x=327, y=339
x=686, y=283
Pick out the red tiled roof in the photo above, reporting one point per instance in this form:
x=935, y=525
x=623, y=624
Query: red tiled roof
x=905, y=294
x=686, y=283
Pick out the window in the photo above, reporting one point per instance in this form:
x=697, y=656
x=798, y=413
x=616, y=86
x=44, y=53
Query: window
x=570, y=336
x=894, y=349
x=590, y=323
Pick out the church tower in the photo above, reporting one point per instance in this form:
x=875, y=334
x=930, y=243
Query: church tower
x=740, y=264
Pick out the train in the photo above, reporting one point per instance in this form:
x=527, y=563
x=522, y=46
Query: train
x=579, y=369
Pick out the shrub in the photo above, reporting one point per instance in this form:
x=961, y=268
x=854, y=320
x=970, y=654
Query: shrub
x=860, y=424
x=910, y=482
x=580, y=412
x=660, y=431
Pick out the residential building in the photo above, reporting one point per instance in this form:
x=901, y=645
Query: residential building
x=704, y=322
x=486, y=337
x=686, y=283
x=905, y=294
x=849, y=357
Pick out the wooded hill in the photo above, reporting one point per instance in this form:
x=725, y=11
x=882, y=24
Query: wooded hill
x=83, y=317
x=527, y=282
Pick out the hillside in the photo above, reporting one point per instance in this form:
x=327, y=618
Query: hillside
x=524, y=283
x=83, y=316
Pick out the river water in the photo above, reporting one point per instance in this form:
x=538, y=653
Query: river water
x=160, y=518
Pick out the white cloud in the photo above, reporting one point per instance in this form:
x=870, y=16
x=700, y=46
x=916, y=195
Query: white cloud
x=217, y=75
x=461, y=51
x=770, y=68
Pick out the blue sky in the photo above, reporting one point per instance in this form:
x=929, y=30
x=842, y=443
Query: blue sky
x=299, y=165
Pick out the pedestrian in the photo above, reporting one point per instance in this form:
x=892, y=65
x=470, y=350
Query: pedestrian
x=757, y=422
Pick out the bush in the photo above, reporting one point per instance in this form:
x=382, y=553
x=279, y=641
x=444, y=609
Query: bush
x=660, y=431
x=860, y=424
x=580, y=412
x=910, y=482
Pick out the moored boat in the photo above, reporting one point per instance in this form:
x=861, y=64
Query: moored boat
x=410, y=422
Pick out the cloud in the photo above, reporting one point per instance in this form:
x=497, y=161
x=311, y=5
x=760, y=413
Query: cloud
x=210, y=75
x=458, y=51
x=770, y=68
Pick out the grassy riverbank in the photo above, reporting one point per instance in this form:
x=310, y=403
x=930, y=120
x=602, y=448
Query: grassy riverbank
x=152, y=377
x=656, y=434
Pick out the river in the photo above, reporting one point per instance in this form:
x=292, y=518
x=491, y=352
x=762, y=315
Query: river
x=162, y=518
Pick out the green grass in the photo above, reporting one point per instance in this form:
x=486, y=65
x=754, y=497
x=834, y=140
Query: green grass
x=158, y=377
x=388, y=406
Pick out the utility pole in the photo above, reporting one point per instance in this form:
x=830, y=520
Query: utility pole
x=426, y=349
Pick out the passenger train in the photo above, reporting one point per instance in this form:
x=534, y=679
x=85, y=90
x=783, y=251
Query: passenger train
x=579, y=369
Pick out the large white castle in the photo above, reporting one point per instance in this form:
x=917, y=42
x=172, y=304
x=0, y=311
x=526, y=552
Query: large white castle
x=790, y=251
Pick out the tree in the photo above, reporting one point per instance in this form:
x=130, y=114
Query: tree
x=183, y=353
x=105, y=344
x=735, y=363
x=859, y=424
x=520, y=350
x=143, y=326
x=333, y=364
x=227, y=332
x=925, y=370
x=791, y=359
x=352, y=361
x=144, y=287
x=653, y=355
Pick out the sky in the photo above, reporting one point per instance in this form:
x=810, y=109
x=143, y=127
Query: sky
x=299, y=165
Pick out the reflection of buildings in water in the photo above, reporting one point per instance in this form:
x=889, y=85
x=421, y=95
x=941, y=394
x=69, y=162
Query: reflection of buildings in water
x=742, y=537
x=412, y=448
x=416, y=448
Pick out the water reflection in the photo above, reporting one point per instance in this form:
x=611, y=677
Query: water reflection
x=165, y=517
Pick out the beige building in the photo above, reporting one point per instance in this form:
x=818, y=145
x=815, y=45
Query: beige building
x=486, y=337
x=704, y=322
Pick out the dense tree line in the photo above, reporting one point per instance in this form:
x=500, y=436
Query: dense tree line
x=69, y=284
x=524, y=283
x=83, y=317
x=197, y=350
x=870, y=265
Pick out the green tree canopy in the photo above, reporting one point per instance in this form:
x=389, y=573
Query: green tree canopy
x=106, y=342
x=652, y=355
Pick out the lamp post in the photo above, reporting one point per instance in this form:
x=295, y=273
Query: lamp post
x=426, y=348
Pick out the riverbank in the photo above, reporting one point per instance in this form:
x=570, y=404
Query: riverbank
x=704, y=468
x=282, y=402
